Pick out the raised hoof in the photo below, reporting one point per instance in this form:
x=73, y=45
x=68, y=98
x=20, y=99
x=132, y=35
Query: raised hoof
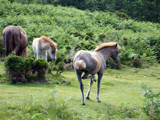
x=87, y=98
x=94, y=80
x=83, y=103
x=84, y=77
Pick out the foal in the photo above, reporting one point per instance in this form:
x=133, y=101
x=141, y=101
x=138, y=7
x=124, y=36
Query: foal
x=94, y=63
x=43, y=45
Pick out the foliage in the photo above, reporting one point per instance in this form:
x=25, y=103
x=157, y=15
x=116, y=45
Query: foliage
x=137, y=63
x=40, y=66
x=142, y=9
x=2, y=50
x=152, y=103
x=59, y=63
x=18, y=69
x=75, y=29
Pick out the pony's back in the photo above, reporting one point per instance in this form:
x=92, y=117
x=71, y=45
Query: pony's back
x=14, y=39
x=53, y=44
x=87, y=61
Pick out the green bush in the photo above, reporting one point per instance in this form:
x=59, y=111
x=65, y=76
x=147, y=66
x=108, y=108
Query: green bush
x=19, y=69
x=2, y=50
x=40, y=66
x=152, y=103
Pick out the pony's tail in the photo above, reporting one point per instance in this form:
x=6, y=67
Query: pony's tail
x=80, y=64
x=7, y=42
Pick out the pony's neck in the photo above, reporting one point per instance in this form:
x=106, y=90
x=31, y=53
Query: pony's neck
x=105, y=52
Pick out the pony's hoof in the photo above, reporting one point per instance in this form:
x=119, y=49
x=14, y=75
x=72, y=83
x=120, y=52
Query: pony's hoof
x=87, y=98
x=83, y=103
x=99, y=101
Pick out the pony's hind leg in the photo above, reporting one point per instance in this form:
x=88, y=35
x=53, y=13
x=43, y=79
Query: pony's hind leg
x=85, y=76
x=89, y=90
x=93, y=78
x=79, y=73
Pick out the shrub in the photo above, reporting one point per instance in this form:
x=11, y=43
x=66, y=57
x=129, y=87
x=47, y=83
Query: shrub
x=2, y=50
x=19, y=69
x=59, y=63
x=152, y=103
x=137, y=62
x=40, y=66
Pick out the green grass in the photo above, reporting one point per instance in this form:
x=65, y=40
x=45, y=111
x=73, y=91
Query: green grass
x=121, y=95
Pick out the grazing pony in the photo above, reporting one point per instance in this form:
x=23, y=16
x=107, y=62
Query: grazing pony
x=15, y=39
x=94, y=63
x=42, y=45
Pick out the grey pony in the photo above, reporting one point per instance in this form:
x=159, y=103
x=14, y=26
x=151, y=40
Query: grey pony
x=91, y=63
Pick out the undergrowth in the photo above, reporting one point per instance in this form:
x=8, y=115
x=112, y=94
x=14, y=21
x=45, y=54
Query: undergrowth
x=77, y=29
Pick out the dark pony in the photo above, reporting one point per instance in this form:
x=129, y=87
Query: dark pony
x=91, y=63
x=15, y=39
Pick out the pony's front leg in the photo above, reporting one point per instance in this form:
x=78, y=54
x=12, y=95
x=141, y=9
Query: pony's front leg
x=38, y=56
x=17, y=52
x=45, y=55
x=35, y=55
x=98, y=86
x=79, y=73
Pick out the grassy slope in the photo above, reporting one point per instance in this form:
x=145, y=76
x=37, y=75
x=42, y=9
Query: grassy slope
x=82, y=29
x=121, y=95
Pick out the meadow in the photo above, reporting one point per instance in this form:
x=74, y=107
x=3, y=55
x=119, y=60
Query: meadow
x=59, y=98
x=121, y=94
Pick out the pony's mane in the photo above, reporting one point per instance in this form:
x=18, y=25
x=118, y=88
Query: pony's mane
x=53, y=44
x=109, y=44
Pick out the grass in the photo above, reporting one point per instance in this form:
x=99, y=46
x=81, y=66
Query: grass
x=121, y=95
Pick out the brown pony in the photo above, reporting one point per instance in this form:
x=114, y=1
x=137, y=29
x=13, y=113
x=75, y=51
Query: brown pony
x=15, y=39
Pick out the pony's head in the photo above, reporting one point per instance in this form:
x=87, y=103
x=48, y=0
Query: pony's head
x=53, y=47
x=52, y=52
x=112, y=49
x=114, y=55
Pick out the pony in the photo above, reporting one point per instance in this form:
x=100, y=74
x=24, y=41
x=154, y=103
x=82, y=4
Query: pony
x=91, y=63
x=43, y=45
x=15, y=39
